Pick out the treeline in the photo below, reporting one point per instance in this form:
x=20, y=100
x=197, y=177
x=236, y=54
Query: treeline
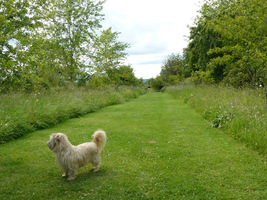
x=227, y=45
x=51, y=43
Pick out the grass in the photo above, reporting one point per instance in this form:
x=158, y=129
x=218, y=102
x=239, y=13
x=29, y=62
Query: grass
x=157, y=148
x=240, y=113
x=23, y=113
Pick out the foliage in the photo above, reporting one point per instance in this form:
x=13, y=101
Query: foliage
x=231, y=39
x=174, y=69
x=243, y=30
x=23, y=113
x=156, y=83
x=17, y=19
x=240, y=112
x=201, y=77
x=227, y=44
x=46, y=44
x=109, y=52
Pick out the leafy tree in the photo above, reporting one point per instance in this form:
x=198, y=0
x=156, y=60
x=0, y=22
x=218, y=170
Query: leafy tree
x=72, y=24
x=243, y=30
x=174, y=69
x=203, y=38
x=156, y=83
x=109, y=53
x=17, y=18
x=46, y=43
x=126, y=76
x=228, y=42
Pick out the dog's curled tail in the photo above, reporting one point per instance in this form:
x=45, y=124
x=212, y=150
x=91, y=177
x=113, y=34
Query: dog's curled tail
x=100, y=138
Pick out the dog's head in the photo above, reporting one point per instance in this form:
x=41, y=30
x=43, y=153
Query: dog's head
x=57, y=141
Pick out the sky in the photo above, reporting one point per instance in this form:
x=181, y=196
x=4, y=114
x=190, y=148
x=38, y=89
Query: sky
x=153, y=28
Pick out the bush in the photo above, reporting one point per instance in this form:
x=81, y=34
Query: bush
x=157, y=83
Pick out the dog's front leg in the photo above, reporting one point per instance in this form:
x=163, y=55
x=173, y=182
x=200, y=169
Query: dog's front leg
x=65, y=175
x=72, y=174
x=71, y=177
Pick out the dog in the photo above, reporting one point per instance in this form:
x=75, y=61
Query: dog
x=70, y=158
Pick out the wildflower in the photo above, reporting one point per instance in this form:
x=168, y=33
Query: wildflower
x=220, y=107
x=232, y=106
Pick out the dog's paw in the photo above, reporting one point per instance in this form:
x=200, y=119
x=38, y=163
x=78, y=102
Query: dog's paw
x=65, y=175
x=96, y=170
x=71, y=178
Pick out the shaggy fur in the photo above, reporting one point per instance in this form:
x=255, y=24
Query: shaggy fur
x=70, y=158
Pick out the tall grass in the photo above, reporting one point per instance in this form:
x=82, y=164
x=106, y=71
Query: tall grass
x=240, y=112
x=23, y=113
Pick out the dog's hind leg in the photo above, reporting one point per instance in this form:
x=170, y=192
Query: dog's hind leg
x=96, y=168
x=72, y=173
x=96, y=163
x=71, y=176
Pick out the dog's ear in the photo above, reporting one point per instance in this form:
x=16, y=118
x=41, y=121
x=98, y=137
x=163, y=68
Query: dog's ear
x=58, y=138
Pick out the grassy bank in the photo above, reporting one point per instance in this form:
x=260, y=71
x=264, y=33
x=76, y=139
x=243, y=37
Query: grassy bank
x=23, y=113
x=241, y=113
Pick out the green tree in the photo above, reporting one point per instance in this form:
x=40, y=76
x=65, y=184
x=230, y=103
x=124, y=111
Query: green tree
x=156, y=83
x=203, y=38
x=126, y=76
x=73, y=24
x=243, y=29
x=228, y=42
x=17, y=19
x=109, y=53
x=174, y=69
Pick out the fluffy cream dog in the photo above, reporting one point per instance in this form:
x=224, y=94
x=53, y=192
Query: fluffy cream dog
x=70, y=158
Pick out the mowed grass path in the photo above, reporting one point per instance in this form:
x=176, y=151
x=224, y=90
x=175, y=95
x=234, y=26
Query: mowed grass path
x=157, y=148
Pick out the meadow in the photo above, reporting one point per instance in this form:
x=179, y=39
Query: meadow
x=157, y=148
x=241, y=113
x=22, y=113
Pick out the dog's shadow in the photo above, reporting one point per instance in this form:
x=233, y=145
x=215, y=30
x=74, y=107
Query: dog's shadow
x=86, y=173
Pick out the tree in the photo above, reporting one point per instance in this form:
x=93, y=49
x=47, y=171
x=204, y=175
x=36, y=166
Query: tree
x=17, y=18
x=109, y=53
x=228, y=42
x=72, y=24
x=156, y=83
x=243, y=30
x=203, y=38
x=126, y=76
x=174, y=69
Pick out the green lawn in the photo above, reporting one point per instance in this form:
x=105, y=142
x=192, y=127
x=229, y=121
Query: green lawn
x=157, y=148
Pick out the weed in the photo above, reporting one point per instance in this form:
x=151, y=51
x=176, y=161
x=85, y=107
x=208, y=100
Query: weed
x=23, y=113
x=240, y=112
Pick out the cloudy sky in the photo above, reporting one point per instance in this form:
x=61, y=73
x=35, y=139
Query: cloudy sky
x=153, y=28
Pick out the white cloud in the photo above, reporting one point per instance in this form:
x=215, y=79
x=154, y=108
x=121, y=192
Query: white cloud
x=154, y=29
